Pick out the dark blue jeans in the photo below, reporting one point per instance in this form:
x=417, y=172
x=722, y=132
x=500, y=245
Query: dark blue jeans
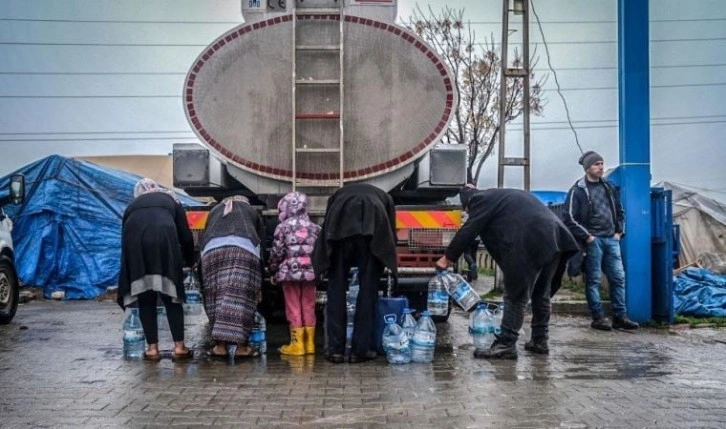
x=603, y=256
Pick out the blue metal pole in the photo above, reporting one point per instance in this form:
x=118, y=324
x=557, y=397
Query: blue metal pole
x=634, y=170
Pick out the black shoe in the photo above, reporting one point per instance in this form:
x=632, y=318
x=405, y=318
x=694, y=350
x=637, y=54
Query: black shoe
x=624, y=323
x=335, y=358
x=498, y=350
x=365, y=358
x=601, y=324
x=538, y=346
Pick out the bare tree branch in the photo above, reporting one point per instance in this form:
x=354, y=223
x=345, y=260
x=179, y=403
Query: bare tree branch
x=476, y=69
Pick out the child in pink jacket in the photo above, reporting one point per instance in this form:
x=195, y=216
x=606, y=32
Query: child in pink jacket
x=291, y=267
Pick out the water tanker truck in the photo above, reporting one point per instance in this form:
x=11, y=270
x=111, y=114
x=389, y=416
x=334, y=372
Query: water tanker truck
x=311, y=95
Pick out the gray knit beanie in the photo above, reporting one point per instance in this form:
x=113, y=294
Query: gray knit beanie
x=589, y=158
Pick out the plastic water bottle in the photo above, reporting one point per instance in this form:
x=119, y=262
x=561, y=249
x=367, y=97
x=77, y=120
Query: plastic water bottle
x=193, y=299
x=479, y=326
x=134, y=339
x=258, y=336
x=424, y=339
x=408, y=323
x=497, y=319
x=460, y=291
x=351, y=298
x=438, y=298
x=395, y=342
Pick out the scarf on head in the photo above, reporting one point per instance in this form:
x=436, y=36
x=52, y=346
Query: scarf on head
x=229, y=203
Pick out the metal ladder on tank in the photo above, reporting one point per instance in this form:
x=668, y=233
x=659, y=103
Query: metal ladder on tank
x=333, y=150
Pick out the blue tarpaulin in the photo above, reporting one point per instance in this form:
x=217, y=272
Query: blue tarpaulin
x=67, y=233
x=698, y=292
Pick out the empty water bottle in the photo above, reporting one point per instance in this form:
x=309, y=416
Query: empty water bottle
x=408, y=323
x=258, y=336
x=497, y=319
x=193, y=299
x=134, y=339
x=460, y=290
x=424, y=339
x=438, y=297
x=479, y=326
x=395, y=342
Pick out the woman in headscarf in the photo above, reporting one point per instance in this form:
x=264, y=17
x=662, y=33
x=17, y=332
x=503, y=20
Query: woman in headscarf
x=232, y=274
x=156, y=244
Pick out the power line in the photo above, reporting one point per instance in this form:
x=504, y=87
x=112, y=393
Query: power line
x=201, y=45
x=97, y=139
x=172, y=73
x=91, y=96
x=603, y=88
x=119, y=21
x=94, y=132
x=557, y=82
x=188, y=131
x=466, y=22
x=401, y=22
x=118, y=45
x=91, y=73
x=186, y=138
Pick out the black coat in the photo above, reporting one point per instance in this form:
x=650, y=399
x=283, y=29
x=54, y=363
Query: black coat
x=518, y=231
x=155, y=240
x=358, y=210
x=577, y=210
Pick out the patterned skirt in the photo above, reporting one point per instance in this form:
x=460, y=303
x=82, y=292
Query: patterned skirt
x=232, y=280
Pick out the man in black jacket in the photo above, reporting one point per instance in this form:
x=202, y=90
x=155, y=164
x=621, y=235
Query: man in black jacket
x=596, y=218
x=530, y=245
x=359, y=230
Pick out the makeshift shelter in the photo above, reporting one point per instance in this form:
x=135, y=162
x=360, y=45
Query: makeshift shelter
x=67, y=233
x=702, y=222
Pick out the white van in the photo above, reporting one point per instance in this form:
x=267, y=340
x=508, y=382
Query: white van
x=9, y=284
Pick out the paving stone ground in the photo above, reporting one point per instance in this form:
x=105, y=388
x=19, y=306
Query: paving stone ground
x=61, y=365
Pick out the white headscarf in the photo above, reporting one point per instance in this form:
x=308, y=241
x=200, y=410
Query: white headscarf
x=146, y=185
x=229, y=203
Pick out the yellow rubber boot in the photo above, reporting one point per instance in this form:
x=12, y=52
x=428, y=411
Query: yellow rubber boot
x=295, y=348
x=309, y=340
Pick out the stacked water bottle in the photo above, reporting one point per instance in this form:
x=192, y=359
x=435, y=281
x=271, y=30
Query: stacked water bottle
x=458, y=288
x=395, y=341
x=484, y=324
x=351, y=297
x=134, y=339
x=258, y=336
x=411, y=341
x=438, y=297
x=193, y=298
x=424, y=339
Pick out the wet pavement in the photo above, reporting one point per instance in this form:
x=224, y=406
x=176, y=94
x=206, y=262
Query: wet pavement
x=61, y=366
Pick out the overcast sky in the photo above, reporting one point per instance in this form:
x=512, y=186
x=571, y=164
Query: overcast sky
x=103, y=77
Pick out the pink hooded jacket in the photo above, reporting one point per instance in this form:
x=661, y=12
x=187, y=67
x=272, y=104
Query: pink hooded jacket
x=294, y=241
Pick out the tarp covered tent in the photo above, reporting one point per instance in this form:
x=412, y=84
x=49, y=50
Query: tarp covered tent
x=702, y=222
x=67, y=233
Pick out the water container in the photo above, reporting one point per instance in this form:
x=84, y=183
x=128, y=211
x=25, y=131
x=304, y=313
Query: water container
x=395, y=342
x=438, y=298
x=497, y=319
x=258, y=336
x=424, y=339
x=408, y=323
x=193, y=299
x=134, y=339
x=460, y=291
x=351, y=298
x=479, y=327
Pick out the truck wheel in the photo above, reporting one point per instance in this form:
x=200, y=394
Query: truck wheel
x=9, y=291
